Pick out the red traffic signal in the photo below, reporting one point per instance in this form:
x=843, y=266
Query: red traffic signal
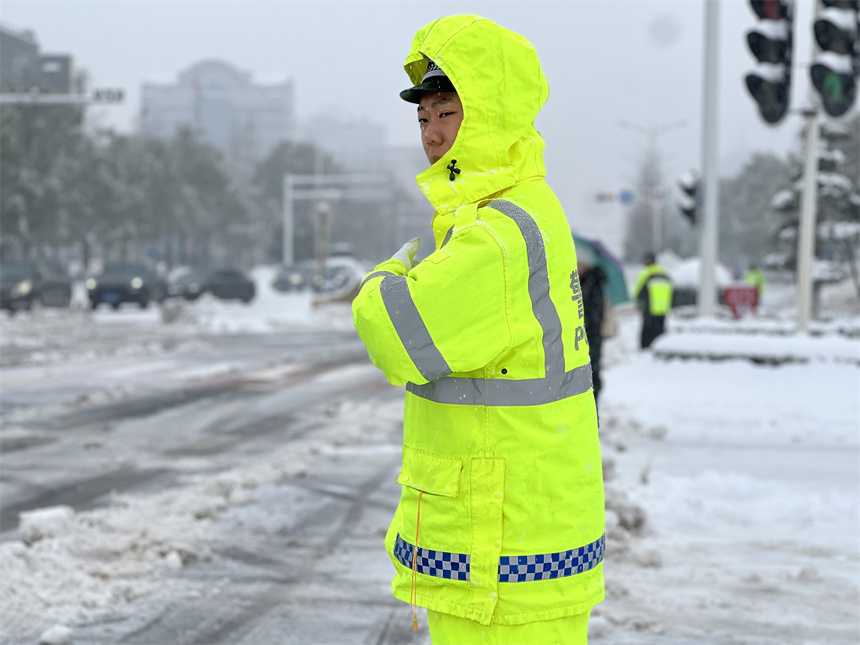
x=771, y=44
x=770, y=9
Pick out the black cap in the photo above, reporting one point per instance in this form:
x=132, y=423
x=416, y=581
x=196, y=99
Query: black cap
x=434, y=81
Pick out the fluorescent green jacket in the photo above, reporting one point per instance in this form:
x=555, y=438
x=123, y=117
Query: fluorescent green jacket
x=755, y=277
x=654, y=290
x=500, y=450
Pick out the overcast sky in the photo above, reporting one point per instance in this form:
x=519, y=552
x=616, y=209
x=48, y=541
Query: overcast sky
x=607, y=61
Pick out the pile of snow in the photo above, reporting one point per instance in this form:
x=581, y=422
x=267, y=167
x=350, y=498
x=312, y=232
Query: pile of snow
x=686, y=274
x=50, y=336
x=796, y=348
x=67, y=567
x=269, y=311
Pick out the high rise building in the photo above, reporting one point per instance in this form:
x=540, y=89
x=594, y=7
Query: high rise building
x=24, y=68
x=243, y=118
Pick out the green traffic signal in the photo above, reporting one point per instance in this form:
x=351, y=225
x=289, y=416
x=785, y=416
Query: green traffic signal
x=833, y=87
x=837, y=90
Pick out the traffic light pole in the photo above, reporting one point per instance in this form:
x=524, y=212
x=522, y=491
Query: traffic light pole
x=806, y=229
x=710, y=214
x=808, y=208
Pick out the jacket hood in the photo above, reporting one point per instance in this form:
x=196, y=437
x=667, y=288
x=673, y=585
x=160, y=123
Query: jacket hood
x=502, y=88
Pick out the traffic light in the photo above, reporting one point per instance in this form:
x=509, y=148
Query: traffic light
x=770, y=42
x=836, y=68
x=690, y=185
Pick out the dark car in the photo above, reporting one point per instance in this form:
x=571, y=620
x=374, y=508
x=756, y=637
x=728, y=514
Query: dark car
x=190, y=285
x=25, y=283
x=230, y=284
x=120, y=283
x=296, y=277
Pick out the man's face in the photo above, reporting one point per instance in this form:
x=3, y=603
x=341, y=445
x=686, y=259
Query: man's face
x=439, y=115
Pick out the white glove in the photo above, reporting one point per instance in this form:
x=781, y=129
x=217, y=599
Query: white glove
x=406, y=253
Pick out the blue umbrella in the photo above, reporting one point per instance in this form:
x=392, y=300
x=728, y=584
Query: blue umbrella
x=616, y=287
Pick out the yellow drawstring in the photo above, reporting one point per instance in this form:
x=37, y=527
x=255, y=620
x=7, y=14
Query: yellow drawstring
x=413, y=596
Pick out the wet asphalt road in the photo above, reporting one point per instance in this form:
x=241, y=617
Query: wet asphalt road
x=303, y=565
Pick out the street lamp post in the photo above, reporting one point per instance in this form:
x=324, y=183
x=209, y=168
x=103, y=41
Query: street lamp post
x=654, y=198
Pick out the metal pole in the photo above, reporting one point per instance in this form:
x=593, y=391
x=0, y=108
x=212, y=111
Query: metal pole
x=654, y=202
x=287, y=252
x=806, y=232
x=808, y=206
x=710, y=215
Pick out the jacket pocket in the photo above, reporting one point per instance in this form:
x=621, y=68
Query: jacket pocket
x=431, y=473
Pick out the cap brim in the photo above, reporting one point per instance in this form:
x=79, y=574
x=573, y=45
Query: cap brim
x=416, y=93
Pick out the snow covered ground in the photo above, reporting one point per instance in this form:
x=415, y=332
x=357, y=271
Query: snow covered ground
x=748, y=476
x=733, y=487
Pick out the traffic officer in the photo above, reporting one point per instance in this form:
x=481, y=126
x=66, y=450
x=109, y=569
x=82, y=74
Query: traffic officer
x=499, y=532
x=653, y=293
x=755, y=277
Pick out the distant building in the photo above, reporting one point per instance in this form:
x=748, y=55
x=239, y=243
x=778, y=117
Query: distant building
x=354, y=146
x=242, y=118
x=23, y=67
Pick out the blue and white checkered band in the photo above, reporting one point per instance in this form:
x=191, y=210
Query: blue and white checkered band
x=440, y=564
x=512, y=568
x=525, y=568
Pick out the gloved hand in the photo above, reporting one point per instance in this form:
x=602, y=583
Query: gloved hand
x=406, y=253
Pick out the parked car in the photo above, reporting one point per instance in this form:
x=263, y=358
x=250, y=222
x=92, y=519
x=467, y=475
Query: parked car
x=189, y=285
x=230, y=284
x=296, y=277
x=120, y=283
x=25, y=283
x=341, y=273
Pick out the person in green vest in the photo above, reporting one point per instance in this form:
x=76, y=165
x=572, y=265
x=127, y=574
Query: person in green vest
x=755, y=277
x=653, y=293
x=499, y=532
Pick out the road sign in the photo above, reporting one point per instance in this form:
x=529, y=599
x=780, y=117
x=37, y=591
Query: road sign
x=742, y=300
x=108, y=95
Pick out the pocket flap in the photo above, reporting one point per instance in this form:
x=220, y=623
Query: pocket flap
x=431, y=473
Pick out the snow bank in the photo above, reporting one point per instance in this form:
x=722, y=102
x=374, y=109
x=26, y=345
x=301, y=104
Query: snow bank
x=795, y=348
x=686, y=274
x=50, y=336
x=45, y=523
x=71, y=567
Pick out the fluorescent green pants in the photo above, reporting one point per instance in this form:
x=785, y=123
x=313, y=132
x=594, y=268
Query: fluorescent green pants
x=453, y=630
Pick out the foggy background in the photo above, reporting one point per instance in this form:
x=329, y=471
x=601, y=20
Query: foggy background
x=194, y=445
x=617, y=71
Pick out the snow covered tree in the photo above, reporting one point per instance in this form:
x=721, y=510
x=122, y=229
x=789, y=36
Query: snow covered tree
x=746, y=220
x=838, y=206
x=34, y=139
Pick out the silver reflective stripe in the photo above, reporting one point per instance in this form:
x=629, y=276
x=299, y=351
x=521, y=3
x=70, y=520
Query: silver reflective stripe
x=447, y=237
x=411, y=328
x=375, y=274
x=499, y=392
x=542, y=306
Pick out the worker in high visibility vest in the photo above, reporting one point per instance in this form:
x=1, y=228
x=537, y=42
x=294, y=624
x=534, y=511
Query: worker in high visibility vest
x=653, y=293
x=499, y=532
x=755, y=277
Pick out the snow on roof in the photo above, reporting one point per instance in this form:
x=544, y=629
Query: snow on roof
x=686, y=274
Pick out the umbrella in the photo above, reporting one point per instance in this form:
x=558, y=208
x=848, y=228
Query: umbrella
x=615, y=288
